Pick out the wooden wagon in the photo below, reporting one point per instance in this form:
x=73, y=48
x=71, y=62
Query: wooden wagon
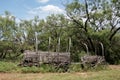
x=30, y=58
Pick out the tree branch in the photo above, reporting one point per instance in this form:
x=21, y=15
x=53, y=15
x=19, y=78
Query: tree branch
x=74, y=20
x=112, y=35
x=87, y=14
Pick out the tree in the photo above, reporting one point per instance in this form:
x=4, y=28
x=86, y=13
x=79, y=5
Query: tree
x=97, y=20
x=8, y=30
x=7, y=26
x=55, y=27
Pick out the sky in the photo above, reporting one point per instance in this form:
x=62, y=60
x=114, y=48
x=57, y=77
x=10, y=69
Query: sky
x=27, y=9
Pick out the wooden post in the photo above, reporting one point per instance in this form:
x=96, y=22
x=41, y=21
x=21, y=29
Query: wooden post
x=69, y=45
x=49, y=44
x=96, y=47
x=102, y=48
x=36, y=45
x=59, y=44
x=86, y=48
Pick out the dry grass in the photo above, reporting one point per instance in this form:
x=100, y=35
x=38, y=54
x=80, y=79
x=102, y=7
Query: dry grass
x=45, y=76
x=115, y=67
x=20, y=76
x=112, y=74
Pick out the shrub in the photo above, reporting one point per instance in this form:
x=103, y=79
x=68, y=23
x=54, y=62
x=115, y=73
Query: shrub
x=75, y=67
x=43, y=68
x=7, y=66
x=96, y=68
x=32, y=69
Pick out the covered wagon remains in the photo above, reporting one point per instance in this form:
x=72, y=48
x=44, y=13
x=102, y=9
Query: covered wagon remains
x=89, y=61
x=36, y=58
x=32, y=59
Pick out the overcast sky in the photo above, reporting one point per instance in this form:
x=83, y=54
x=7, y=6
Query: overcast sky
x=27, y=9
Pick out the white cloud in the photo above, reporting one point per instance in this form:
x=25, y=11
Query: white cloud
x=51, y=8
x=42, y=1
x=46, y=10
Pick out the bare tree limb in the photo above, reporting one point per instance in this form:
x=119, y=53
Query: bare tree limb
x=112, y=35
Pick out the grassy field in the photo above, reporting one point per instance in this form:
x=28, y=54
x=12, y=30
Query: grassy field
x=112, y=74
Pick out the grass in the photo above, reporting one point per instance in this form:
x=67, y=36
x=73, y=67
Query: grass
x=10, y=67
x=112, y=74
x=6, y=67
x=10, y=71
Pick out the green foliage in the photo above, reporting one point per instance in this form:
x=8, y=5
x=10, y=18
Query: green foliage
x=89, y=22
x=10, y=66
x=43, y=68
x=75, y=67
x=7, y=67
x=32, y=69
x=47, y=68
x=113, y=55
x=82, y=53
x=99, y=67
x=77, y=55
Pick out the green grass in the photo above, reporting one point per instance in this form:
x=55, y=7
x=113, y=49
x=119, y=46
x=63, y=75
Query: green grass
x=9, y=66
x=104, y=75
x=14, y=72
x=33, y=69
x=113, y=74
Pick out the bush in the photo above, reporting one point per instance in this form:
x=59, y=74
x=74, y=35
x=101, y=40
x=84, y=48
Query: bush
x=7, y=67
x=96, y=68
x=47, y=68
x=75, y=67
x=43, y=68
x=32, y=69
